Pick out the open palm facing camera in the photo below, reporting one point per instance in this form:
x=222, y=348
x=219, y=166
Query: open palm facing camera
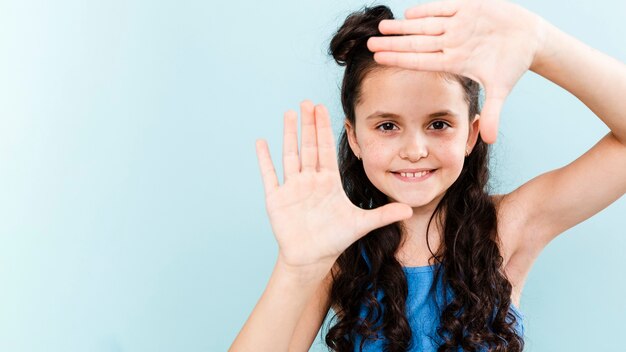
x=311, y=216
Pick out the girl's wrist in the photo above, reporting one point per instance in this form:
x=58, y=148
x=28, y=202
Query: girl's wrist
x=304, y=275
x=545, y=44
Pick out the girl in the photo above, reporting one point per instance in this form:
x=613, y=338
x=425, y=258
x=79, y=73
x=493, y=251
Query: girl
x=400, y=237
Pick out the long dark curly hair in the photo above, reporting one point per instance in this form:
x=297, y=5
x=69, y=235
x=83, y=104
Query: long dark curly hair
x=478, y=316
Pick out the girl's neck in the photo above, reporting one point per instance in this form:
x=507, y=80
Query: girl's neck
x=414, y=249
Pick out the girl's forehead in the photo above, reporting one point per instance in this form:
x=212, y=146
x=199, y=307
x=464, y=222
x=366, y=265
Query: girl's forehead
x=408, y=92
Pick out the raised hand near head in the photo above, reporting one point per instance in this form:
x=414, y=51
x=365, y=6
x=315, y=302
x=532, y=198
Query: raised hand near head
x=492, y=42
x=311, y=216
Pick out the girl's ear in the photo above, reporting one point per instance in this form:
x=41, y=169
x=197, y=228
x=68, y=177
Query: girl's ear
x=474, y=130
x=351, y=133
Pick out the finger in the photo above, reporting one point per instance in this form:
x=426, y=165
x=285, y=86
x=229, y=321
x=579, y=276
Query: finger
x=426, y=26
x=268, y=173
x=412, y=61
x=291, y=161
x=325, y=140
x=406, y=43
x=308, y=149
x=432, y=9
x=385, y=215
x=490, y=116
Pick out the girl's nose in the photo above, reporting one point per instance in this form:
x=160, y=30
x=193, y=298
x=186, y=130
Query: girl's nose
x=414, y=148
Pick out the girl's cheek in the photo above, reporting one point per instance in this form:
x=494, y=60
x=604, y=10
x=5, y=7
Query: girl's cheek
x=375, y=148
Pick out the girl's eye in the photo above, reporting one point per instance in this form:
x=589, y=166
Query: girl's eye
x=439, y=125
x=389, y=126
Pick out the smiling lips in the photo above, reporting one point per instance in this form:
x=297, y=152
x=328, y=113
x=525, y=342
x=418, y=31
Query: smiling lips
x=417, y=174
x=414, y=175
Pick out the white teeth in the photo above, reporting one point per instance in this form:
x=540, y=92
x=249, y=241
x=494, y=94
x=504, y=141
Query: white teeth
x=417, y=174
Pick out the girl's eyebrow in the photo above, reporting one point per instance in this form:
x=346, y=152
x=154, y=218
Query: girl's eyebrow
x=383, y=114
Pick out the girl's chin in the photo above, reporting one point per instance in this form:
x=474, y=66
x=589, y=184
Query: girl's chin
x=412, y=202
x=418, y=201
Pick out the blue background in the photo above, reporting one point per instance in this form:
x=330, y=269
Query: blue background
x=132, y=215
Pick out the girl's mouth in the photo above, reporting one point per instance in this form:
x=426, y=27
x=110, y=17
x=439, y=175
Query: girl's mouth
x=413, y=177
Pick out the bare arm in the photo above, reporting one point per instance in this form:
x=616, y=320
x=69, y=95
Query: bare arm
x=597, y=79
x=311, y=320
x=313, y=221
x=274, y=318
x=558, y=200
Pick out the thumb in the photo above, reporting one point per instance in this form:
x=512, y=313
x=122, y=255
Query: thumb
x=490, y=116
x=385, y=215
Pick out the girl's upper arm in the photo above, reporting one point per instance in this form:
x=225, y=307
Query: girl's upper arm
x=312, y=318
x=555, y=201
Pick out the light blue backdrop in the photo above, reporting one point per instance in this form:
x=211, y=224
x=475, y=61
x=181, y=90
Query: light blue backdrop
x=132, y=215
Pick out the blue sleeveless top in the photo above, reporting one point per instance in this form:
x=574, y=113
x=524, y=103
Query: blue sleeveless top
x=423, y=312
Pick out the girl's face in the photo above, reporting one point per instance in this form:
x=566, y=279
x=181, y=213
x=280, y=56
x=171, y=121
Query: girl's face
x=408, y=122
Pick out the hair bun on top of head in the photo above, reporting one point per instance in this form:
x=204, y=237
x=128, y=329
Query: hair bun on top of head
x=350, y=40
